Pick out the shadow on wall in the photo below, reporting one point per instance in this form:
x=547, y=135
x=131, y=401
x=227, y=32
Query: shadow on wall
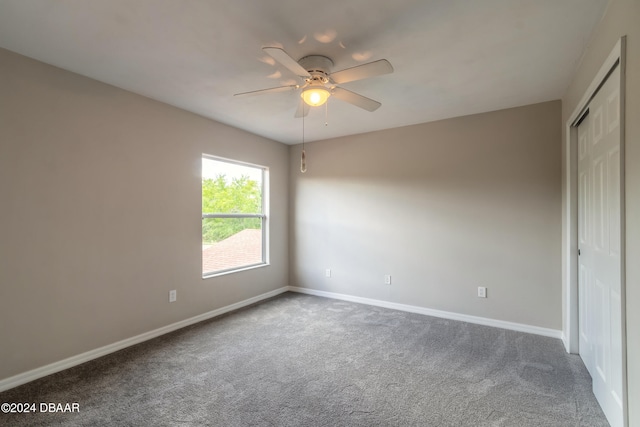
x=444, y=207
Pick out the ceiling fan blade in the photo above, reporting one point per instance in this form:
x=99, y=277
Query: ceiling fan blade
x=270, y=90
x=283, y=58
x=364, y=71
x=303, y=110
x=355, y=99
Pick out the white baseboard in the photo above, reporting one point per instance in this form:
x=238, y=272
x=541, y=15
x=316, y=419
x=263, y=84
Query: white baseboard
x=61, y=365
x=553, y=333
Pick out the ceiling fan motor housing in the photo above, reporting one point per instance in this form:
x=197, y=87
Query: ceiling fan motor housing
x=318, y=66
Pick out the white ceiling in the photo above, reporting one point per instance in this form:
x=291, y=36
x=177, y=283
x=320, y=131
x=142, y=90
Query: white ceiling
x=451, y=57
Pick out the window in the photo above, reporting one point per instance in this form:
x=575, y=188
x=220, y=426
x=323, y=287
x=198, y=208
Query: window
x=233, y=215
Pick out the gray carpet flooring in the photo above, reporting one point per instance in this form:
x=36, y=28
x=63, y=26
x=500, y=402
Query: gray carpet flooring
x=299, y=360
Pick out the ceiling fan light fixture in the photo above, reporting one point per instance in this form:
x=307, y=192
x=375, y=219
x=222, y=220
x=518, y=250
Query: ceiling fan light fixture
x=315, y=96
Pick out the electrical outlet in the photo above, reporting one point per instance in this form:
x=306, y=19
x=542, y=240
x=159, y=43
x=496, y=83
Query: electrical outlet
x=172, y=296
x=482, y=292
x=327, y=272
x=387, y=279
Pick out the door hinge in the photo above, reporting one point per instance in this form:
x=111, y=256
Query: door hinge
x=578, y=252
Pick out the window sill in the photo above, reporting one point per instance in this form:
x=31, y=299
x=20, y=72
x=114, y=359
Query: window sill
x=236, y=270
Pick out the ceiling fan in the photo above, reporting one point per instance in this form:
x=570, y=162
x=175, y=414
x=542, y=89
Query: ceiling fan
x=320, y=83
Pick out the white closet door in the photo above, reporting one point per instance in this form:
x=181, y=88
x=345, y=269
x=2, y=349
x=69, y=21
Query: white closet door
x=599, y=241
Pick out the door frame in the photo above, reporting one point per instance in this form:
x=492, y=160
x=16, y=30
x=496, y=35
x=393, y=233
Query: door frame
x=570, y=333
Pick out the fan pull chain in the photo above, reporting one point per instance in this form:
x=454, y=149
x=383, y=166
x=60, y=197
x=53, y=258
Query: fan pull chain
x=326, y=113
x=303, y=156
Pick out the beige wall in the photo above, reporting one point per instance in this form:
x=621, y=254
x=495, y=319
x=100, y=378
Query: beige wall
x=443, y=207
x=100, y=214
x=622, y=18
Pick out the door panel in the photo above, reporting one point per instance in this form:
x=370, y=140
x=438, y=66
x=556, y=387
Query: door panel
x=585, y=313
x=613, y=193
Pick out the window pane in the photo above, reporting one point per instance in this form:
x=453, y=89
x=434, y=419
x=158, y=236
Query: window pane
x=230, y=188
x=230, y=243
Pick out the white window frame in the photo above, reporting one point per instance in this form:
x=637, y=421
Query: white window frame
x=262, y=215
